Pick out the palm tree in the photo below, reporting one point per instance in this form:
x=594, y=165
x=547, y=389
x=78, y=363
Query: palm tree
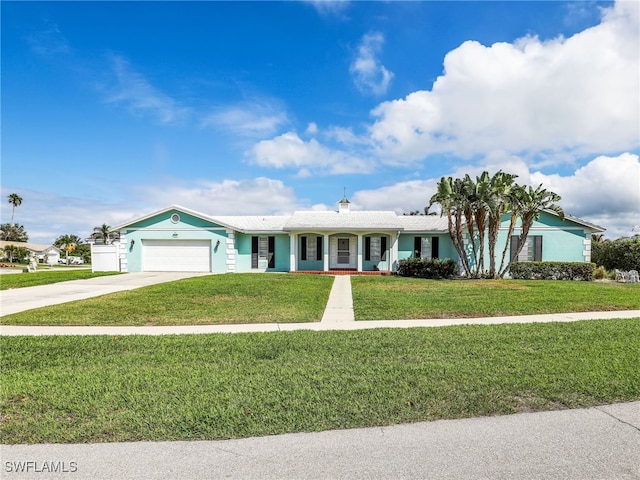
x=105, y=233
x=15, y=200
x=68, y=243
x=499, y=200
x=449, y=196
x=531, y=203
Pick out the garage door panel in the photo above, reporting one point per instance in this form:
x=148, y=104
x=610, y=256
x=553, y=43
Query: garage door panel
x=176, y=255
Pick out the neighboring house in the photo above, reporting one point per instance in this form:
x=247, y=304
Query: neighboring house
x=44, y=253
x=179, y=239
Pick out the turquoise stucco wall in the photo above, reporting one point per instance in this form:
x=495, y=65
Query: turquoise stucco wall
x=309, y=265
x=562, y=240
x=160, y=227
x=243, y=256
x=445, y=245
x=382, y=265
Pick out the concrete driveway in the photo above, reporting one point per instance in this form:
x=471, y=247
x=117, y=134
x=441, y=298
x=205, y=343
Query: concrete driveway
x=21, y=299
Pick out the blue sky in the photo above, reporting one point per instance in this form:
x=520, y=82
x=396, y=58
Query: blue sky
x=111, y=110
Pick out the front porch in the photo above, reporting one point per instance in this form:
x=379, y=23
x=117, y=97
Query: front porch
x=343, y=271
x=342, y=253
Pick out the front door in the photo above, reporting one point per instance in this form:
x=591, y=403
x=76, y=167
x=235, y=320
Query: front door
x=343, y=252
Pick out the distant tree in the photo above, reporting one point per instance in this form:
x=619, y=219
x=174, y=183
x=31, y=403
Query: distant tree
x=68, y=243
x=14, y=252
x=418, y=212
x=15, y=200
x=13, y=233
x=623, y=253
x=105, y=233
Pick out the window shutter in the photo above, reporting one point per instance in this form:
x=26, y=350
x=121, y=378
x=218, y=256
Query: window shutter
x=303, y=248
x=537, y=248
x=318, y=248
x=367, y=248
x=417, y=247
x=272, y=252
x=435, y=247
x=513, y=247
x=254, y=252
x=383, y=249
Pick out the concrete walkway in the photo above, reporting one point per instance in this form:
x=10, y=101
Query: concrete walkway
x=340, y=304
x=584, y=444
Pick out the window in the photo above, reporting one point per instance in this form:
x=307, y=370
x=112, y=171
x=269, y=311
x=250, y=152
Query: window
x=263, y=252
x=426, y=247
x=175, y=218
x=310, y=248
x=532, y=250
x=375, y=249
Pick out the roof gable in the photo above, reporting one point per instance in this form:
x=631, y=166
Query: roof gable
x=165, y=219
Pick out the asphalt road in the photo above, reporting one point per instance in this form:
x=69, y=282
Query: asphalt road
x=597, y=443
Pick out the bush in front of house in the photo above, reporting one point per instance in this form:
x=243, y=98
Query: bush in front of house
x=623, y=254
x=552, y=271
x=434, y=268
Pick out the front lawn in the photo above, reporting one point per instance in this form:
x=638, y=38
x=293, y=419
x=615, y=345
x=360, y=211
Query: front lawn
x=212, y=299
x=393, y=298
x=203, y=387
x=32, y=279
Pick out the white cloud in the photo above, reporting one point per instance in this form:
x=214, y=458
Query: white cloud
x=402, y=197
x=140, y=97
x=308, y=157
x=47, y=215
x=577, y=95
x=606, y=191
x=312, y=128
x=252, y=118
x=228, y=197
x=369, y=75
x=49, y=41
x=329, y=7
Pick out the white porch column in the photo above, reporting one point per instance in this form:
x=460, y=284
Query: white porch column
x=293, y=254
x=360, y=248
x=325, y=251
x=393, y=254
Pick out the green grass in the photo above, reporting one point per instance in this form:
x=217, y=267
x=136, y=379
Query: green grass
x=212, y=299
x=196, y=387
x=19, y=280
x=392, y=298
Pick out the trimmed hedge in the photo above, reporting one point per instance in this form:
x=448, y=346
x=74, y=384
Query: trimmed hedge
x=552, y=271
x=434, y=268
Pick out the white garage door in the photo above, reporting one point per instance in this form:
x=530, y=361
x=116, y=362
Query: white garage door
x=176, y=255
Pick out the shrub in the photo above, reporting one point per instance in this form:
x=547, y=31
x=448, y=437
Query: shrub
x=552, y=270
x=623, y=254
x=599, y=273
x=434, y=268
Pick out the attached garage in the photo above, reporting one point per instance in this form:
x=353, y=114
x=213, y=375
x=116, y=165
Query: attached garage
x=176, y=255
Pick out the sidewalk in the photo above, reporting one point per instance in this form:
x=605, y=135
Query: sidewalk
x=338, y=314
x=584, y=444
